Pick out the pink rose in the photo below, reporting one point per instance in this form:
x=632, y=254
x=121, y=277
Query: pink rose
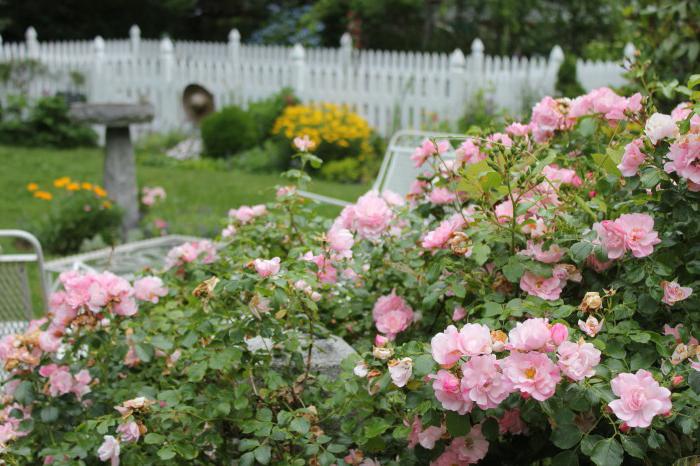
x=109, y=450
x=303, y=143
x=445, y=347
x=475, y=339
x=532, y=373
x=371, y=215
x=440, y=196
x=427, y=149
x=267, y=267
x=149, y=289
x=400, y=371
x=673, y=292
x=578, y=360
x=341, y=241
x=542, y=287
x=660, y=126
x=438, y=238
x=684, y=159
x=459, y=313
x=639, y=234
x=469, y=153
x=591, y=326
x=640, y=398
x=551, y=256
x=531, y=335
x=558, y=176
x=512, y=423
x=483, y=383
x=129, y=432
x=447, y=391
x=632, y=158
x=559, y=333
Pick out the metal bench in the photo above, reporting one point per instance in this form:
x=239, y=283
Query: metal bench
x=16, y=309
x=397, y=170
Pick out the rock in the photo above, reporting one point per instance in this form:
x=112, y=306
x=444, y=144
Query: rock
x=326, y=355
x=190, y=148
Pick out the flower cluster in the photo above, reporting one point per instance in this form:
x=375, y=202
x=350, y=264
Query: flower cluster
x=203, y=251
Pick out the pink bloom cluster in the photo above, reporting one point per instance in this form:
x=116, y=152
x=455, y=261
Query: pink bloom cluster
x=673, y=292
x=632, y=158
x=486, y=381
x=267, y=267
x=149, y=289
x=149, y=196
x=684, y=159
x=427, y=437
x=549, y=288
x=9, y=425
x=604, y=101
x=204, y=251
x=61, y=381
x=392, y=315
x=370, y=216
x=244, y=214
x=427, y=149
x=438, y=238
x=641, y=398
x=630, y=232
x=469, y=449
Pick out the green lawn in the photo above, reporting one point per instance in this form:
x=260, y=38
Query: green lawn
x=197, y=198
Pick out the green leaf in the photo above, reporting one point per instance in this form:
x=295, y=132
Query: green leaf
x=196, y=371
x=153, y=438
x=565, y=458
x=694, y=381
x=580, y=251
x=513, y=270
x=634, y=446
x=144, y=351
x=423, y=365
x=24, y=393
x=248, y=444
x=588, y=443
x=457, y=424
x=262, y=454
x=49, y=414
x=565, y=436
x=607, y=452
x=375, y=426
x=300, y=425
x=490, y=429
x=480, y=253
x=161, y=342
x=166, y=453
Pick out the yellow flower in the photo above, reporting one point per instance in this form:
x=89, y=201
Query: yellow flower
x=100, y=192
x=31, y=187
x=107, y=204
x=44, y=195
x=86, y=186
x=73, y=186
x=61, y=182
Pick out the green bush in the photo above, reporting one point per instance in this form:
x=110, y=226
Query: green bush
x=269, y=157
x=44, y=122
x=567, y=83
x=77, y=217
x=265, y=112
x=228, y=131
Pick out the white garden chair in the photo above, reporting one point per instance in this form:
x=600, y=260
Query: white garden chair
x=16, y=309
x=397, y=171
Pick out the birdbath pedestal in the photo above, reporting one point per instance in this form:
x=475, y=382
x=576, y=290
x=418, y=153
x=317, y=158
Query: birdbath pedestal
x=119, y=165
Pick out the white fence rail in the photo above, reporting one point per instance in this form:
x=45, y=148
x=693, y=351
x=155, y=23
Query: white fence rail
x=391, y=90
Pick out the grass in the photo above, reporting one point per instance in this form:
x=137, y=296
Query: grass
x=198, y=195
x=197, y=198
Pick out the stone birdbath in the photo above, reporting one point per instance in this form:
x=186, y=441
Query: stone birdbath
x=119, y=165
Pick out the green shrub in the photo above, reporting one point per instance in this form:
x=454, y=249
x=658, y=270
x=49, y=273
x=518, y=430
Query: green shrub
x=269, y=157
x=265, y=112
x=228, y=131
x=44, y=122
x=76, y=218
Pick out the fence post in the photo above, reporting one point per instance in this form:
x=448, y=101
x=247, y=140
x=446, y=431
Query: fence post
x=97, y=84
x=234, y=45
x=345, y=49
x=135, y=38
x=32, y=43
x=458, y=84
x=167, y=114
x=298, y=69
x=477, y=64
x=556, y=58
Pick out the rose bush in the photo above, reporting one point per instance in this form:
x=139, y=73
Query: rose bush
x=528, y=303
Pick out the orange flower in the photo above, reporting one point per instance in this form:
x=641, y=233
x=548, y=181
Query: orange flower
x=31, y=187
x=87, y=186
x=73, y=186
x=99, y=191
x=61, y=182
x=107, y=205
x=44, y=195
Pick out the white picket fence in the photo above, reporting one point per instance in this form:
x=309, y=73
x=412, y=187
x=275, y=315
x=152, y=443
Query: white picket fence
x=391, y=90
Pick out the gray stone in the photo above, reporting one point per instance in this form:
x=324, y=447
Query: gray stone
x=112, y=114
x=326, y=354
x=119, y=165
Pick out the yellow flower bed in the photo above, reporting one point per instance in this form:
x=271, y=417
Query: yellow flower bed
x=327, y=125
x=69, y=185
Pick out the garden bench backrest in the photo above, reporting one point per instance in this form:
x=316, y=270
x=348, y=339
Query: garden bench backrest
x=397, y=171
x=16, y=308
